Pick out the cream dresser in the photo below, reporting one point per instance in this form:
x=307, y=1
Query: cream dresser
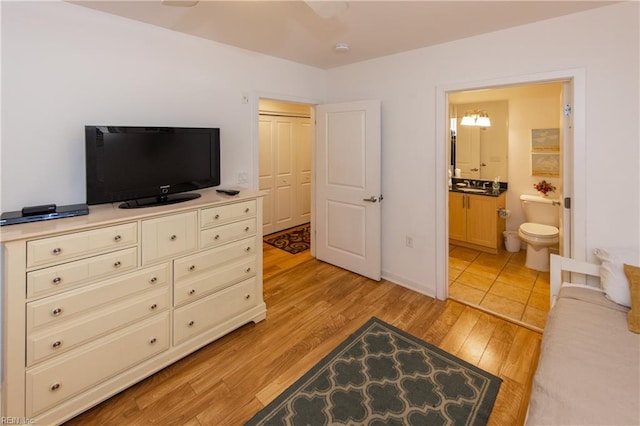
x=93, y=304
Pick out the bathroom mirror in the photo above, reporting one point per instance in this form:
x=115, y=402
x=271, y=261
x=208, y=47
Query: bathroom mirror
x=481, y=152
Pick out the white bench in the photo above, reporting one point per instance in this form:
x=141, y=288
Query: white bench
x=589, y=366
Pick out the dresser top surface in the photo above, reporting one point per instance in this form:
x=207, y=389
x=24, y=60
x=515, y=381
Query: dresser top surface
x=109, y=214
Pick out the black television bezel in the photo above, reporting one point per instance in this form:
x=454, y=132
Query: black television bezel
x=163, y=193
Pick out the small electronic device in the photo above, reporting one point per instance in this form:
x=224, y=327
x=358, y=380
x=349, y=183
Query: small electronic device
x=43, y=209
x=228, y=191
x=43, y=212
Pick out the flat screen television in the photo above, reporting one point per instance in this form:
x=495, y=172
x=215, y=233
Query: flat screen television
x=149, y=166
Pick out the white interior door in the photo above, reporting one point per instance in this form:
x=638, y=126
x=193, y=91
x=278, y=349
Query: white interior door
x=285, y=171
x=303, y=135
x=348, y=185
x=266, y=172
x=285, y=175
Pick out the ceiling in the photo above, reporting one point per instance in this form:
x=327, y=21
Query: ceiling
x=292, y=30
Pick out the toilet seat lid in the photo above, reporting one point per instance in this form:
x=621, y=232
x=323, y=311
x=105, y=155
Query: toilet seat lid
x=539, y=230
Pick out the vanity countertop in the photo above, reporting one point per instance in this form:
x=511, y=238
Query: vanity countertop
x=487, y=193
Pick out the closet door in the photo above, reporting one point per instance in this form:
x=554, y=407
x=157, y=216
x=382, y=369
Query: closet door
x=285, y=169
x=285, y=179
x=266, y=177
x=302, y=134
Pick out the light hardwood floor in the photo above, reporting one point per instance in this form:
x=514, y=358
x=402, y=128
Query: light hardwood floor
x=311, y=308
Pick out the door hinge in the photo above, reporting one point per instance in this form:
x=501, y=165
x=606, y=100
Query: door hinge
x=567, y=110
x=567, y=202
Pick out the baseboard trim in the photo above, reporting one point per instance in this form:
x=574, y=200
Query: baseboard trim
x=409, y=284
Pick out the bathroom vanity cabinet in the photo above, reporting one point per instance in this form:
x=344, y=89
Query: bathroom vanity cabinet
x=474, y=221
x=96, y=303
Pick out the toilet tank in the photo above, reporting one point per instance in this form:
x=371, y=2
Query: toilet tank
x=541, y=210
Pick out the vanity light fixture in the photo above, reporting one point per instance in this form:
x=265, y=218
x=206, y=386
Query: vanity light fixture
x=475, y=118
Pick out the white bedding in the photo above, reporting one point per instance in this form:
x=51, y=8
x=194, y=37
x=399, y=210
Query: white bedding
x=589, y=367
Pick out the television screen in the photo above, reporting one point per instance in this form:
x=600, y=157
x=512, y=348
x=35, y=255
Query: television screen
x=146, y=165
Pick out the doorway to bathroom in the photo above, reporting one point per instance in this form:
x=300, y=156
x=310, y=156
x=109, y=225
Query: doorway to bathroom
x=493, y=278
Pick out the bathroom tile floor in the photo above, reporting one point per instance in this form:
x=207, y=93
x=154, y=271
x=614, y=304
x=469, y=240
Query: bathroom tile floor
x=499, y=283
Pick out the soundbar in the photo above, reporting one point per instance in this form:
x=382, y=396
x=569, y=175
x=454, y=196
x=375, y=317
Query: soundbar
x=46, y=212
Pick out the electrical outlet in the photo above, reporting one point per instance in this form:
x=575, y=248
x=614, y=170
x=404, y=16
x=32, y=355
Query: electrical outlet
x=243, y=177
x=245, y=98
x=408, y=241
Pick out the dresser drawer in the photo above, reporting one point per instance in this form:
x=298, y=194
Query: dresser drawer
x=68, y=275
x=203, y=314
x=169, y=236
x=212, y=280
x=55, y=309
x=228, y=213
x=57, y=340
x=59, y=249
x=223, y=234
x=80, y=369
x=197, y=263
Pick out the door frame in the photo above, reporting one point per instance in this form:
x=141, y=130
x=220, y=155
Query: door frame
x=576, y=189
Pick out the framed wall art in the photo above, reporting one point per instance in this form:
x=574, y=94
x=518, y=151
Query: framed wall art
x=545, y=152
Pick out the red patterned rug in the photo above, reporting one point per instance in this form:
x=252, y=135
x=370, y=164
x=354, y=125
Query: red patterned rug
x=294, y=241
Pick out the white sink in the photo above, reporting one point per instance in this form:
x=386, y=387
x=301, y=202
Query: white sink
x=476, y=190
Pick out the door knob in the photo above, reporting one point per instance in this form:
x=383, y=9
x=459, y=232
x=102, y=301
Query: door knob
x=371, y=199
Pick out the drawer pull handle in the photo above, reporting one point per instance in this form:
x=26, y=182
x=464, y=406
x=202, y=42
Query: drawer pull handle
x=117, y=238
x=217, y=216
x=56, y=344
x=152, y=341
x=56, y=280
x=153, y=307
x=173, y=237
x=246, y=210
x=56, y=251
x=217, y=237
x=248, y=270
x=248, y=296
x=153, y=280
x=247, y=249
x=56, y=312
x=192, y=292
x=246, y=229
x=54, y=387
x=192, y=267
x=191, y=323
x=117, y=264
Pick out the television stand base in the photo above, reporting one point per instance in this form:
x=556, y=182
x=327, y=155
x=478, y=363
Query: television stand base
x=158, y=201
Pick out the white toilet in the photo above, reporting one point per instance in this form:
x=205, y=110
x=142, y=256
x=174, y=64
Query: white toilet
x=541, y=229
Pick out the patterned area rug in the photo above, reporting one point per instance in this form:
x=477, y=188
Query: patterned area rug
x=295, y=241
x=383, y=376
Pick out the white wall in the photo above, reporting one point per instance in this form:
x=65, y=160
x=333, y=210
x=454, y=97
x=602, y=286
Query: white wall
x=65, y=66
x=407, y=85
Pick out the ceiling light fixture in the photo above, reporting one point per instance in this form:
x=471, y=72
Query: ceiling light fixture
x=475, y=118
x=342, y=47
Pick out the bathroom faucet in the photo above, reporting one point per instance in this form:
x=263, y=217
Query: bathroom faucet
x=467, y=182
x=484, y=185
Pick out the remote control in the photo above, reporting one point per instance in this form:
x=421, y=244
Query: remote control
x=228, y=191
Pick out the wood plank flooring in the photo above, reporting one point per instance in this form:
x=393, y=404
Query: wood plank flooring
x=311, y=308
